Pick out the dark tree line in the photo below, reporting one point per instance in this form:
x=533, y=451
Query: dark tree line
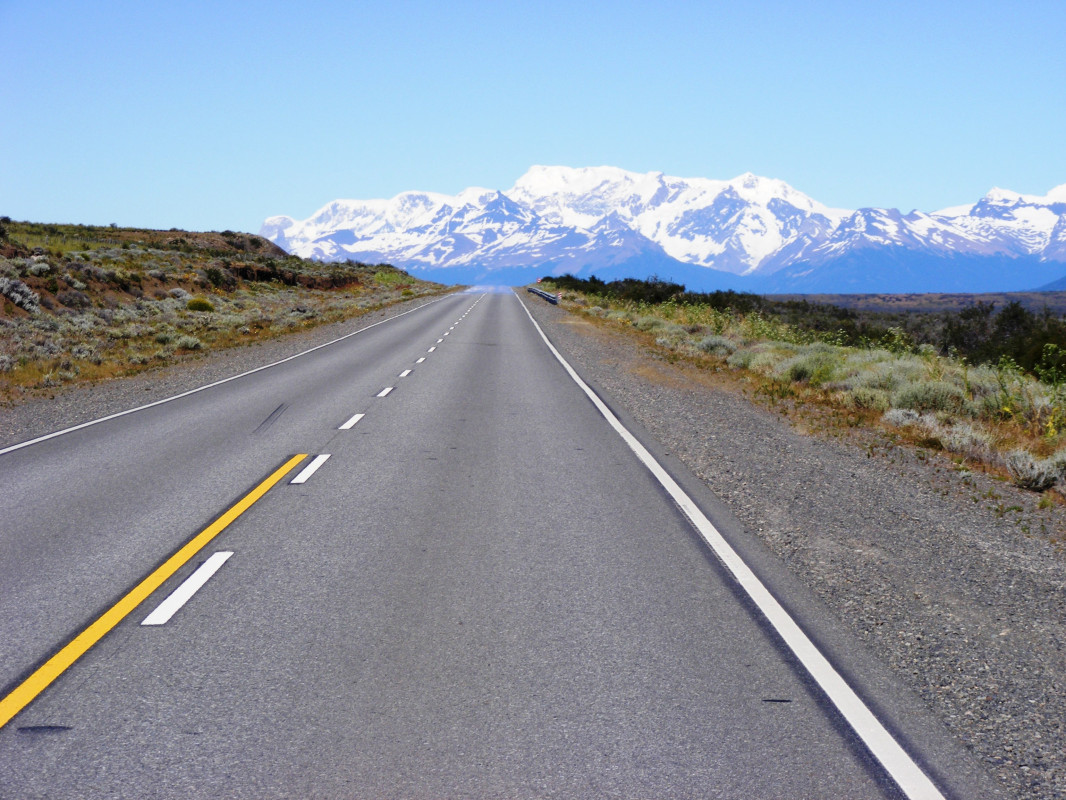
x=1036, y=342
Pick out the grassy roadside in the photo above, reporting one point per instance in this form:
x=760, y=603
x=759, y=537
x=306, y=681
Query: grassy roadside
x=990, y=417
x=81, y=303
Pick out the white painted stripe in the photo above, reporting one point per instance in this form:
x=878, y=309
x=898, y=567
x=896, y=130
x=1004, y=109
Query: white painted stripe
x=405, y=373
x=351, y=423
x=439, y=341
x=446, y=333
x=73, y=428
x=180, y=596
x=310, y=469
x=385, y=391
x=430, y=350
x=914, y=783
x=423, y=358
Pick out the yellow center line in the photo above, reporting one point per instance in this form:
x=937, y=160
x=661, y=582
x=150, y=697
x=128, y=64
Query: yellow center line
x=27, y=691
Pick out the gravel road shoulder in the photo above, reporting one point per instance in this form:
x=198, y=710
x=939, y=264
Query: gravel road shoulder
x=954, y=580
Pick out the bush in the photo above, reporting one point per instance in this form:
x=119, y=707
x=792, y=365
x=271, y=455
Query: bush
x=188, y=343
x=20, y=294
x=742, y=358
x=717, y=345
x=968, y=441
x=865, y=397
x=815, y=367
x=648, y=323
x=72, y=298
x=1029, y=473
x=199, y=304
x=929, y=396
x=900, y=417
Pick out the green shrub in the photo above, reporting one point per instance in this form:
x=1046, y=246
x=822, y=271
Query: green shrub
x=815, y=367
x=865, y=397
x=188, y=343
x=199, y=304
x=929, y=396
x=648, y=323
x=717, y=345
x=743, y=357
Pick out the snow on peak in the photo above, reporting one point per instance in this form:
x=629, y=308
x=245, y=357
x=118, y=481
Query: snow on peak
x=1057, y=195
x=566, y=215
x=999, y=196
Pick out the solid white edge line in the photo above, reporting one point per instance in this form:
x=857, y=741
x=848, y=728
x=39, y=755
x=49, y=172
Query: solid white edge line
x=117, y=414
x=910, y=778
x=385, y=391
x=190, y=586
x=310, y=469
x=347, y=426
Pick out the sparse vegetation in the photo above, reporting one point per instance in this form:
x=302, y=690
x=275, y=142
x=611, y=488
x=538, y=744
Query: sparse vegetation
x=82, y=303
x=989, y=388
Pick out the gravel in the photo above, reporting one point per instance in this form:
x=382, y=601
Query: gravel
x=957, y=581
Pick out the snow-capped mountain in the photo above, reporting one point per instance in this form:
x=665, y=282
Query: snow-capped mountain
x=749, y=232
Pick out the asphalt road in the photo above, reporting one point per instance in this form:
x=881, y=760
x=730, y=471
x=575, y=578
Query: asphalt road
x=481, y=592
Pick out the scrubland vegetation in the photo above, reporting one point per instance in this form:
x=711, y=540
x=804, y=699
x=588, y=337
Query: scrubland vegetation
x=87, y=303
x=988, y=387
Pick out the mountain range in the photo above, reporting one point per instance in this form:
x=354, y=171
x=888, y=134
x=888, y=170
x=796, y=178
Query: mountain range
x=749, y=233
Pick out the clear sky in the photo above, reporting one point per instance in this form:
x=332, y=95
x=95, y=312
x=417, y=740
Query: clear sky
x=216, y=115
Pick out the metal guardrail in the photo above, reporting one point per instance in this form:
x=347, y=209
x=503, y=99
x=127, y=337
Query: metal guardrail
x=551, y=298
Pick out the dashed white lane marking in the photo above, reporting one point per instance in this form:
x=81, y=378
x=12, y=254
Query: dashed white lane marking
x=914, y=783
x=405, y=373
x=29, y=442
x=180, y=596
x=351, y=422
x=439, y=341
x=430, y=350
x=446, y=333
x=385, y=391
x=423, y=358
x=310, y=469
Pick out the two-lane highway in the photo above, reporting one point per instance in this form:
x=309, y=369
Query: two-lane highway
x=443, y=574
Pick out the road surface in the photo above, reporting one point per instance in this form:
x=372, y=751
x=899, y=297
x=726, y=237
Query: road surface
x=436, y=570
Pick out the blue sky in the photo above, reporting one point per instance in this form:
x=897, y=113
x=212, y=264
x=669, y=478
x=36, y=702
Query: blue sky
x=215, y=115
